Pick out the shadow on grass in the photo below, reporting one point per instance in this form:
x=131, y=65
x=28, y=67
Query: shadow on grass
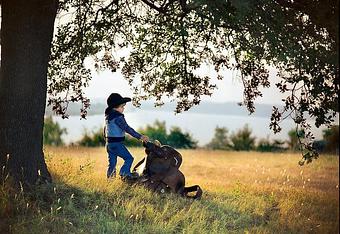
x=61, y=208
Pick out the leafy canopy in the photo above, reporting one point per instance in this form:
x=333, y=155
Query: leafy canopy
x=169, y=40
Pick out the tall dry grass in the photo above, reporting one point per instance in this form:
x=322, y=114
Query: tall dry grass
x=243, y=192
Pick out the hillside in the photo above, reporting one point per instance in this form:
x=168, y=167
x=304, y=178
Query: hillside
x=227, y=108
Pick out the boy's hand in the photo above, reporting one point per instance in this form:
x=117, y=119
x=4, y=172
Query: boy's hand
x=144, y=138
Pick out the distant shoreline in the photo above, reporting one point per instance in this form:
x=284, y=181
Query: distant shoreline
x=227, y=108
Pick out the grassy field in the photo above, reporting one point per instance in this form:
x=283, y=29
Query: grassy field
x=244, y=192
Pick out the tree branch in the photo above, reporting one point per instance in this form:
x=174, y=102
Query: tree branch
x=153, y=6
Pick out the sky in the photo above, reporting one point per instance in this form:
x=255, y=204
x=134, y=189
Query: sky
x=230, y=89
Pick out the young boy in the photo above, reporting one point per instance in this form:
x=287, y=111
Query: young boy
x=114, y=132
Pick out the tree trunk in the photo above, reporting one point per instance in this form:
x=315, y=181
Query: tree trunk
x=26, y=34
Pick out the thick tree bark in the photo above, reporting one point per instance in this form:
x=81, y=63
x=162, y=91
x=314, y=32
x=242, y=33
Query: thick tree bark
x=26, y=35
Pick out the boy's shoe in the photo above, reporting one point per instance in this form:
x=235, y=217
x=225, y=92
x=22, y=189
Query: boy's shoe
x=112, y=176
x=131, y=177
x=135, y=175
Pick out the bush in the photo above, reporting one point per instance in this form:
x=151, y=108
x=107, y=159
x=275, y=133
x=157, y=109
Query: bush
x=242, y=139
x=175, y=138
x=265, y=145
x=319, y=145
x=178, y=139
x=331, y=138
x=131, y=141
x=94, y=139
x=220, y=139
x=52, y=132
x=157, y=131
x=293, y=142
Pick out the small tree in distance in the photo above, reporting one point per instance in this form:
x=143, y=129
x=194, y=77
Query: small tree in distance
x=242, y=139
x=220, y=140
x=331, y=138
x=265, y=145
x=96, y=138
x=178, y=139
x=157, y=131
x=53, y=132
x=293, y=142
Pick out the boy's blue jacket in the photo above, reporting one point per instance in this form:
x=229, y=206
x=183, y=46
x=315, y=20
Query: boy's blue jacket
x=116, y=126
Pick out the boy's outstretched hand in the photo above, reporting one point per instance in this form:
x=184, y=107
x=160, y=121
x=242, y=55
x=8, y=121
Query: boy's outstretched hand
x=144, y=138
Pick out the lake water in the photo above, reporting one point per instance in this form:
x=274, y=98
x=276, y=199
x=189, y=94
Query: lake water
x=200, y=126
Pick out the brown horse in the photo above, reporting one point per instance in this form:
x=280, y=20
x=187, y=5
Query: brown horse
x=159, y=171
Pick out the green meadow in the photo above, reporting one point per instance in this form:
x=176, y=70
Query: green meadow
x=243, y=192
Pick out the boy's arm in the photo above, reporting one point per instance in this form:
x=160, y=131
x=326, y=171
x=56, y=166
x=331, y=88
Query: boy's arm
x=120, y=121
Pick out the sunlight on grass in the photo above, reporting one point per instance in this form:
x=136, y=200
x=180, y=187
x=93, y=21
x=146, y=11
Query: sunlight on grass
x=243, y=192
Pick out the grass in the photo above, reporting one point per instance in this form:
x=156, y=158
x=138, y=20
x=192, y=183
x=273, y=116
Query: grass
x=243, y=192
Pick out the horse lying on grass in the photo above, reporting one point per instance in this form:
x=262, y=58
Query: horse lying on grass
x=159, y=171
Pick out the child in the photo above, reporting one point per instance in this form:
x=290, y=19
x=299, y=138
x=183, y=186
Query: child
x=114, y=132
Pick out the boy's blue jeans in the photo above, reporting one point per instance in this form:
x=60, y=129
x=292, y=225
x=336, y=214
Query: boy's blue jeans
x=115, y=149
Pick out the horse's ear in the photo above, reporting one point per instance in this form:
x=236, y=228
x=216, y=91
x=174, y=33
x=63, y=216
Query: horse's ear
x=156, y=142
